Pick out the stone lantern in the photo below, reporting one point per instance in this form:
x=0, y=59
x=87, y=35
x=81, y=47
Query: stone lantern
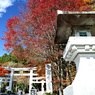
x=77, y=31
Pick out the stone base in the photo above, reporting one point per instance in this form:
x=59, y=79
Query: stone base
x=68, y=90
x=84, y=82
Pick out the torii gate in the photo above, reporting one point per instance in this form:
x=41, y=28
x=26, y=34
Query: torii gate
x=35, y=79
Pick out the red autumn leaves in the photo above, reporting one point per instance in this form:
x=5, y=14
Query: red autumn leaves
x=38, y=22
x=4, y=71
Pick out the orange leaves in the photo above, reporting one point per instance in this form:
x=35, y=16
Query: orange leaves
x=88, y=1
x=41, y=68
x=3, y=71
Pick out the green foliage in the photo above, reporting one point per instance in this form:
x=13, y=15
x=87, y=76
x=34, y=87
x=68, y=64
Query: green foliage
x=7, y=58
x=3, y=87
x=21, y=86
x=23, y=61
x=48, y=94
x=36, y=85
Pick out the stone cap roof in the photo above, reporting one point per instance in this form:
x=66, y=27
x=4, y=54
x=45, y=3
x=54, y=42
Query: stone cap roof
x=66, y=20
x=75, y=12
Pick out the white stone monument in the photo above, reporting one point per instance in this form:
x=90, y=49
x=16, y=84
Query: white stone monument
x=79, y=28
x=48, y=78
x=81, y=50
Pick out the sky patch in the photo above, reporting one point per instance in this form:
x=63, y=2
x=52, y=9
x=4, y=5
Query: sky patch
x=4, y=4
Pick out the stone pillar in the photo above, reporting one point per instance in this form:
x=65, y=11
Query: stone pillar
x=48, y=78
x=0, y=84
x=11, y=79
x=81, y=50
x=84, y=83
x=42, y=86
x=30, y=82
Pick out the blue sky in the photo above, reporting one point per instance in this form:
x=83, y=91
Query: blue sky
x=8, y=9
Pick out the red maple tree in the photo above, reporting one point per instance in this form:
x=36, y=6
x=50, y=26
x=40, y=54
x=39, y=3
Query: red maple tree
x=34, y=29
